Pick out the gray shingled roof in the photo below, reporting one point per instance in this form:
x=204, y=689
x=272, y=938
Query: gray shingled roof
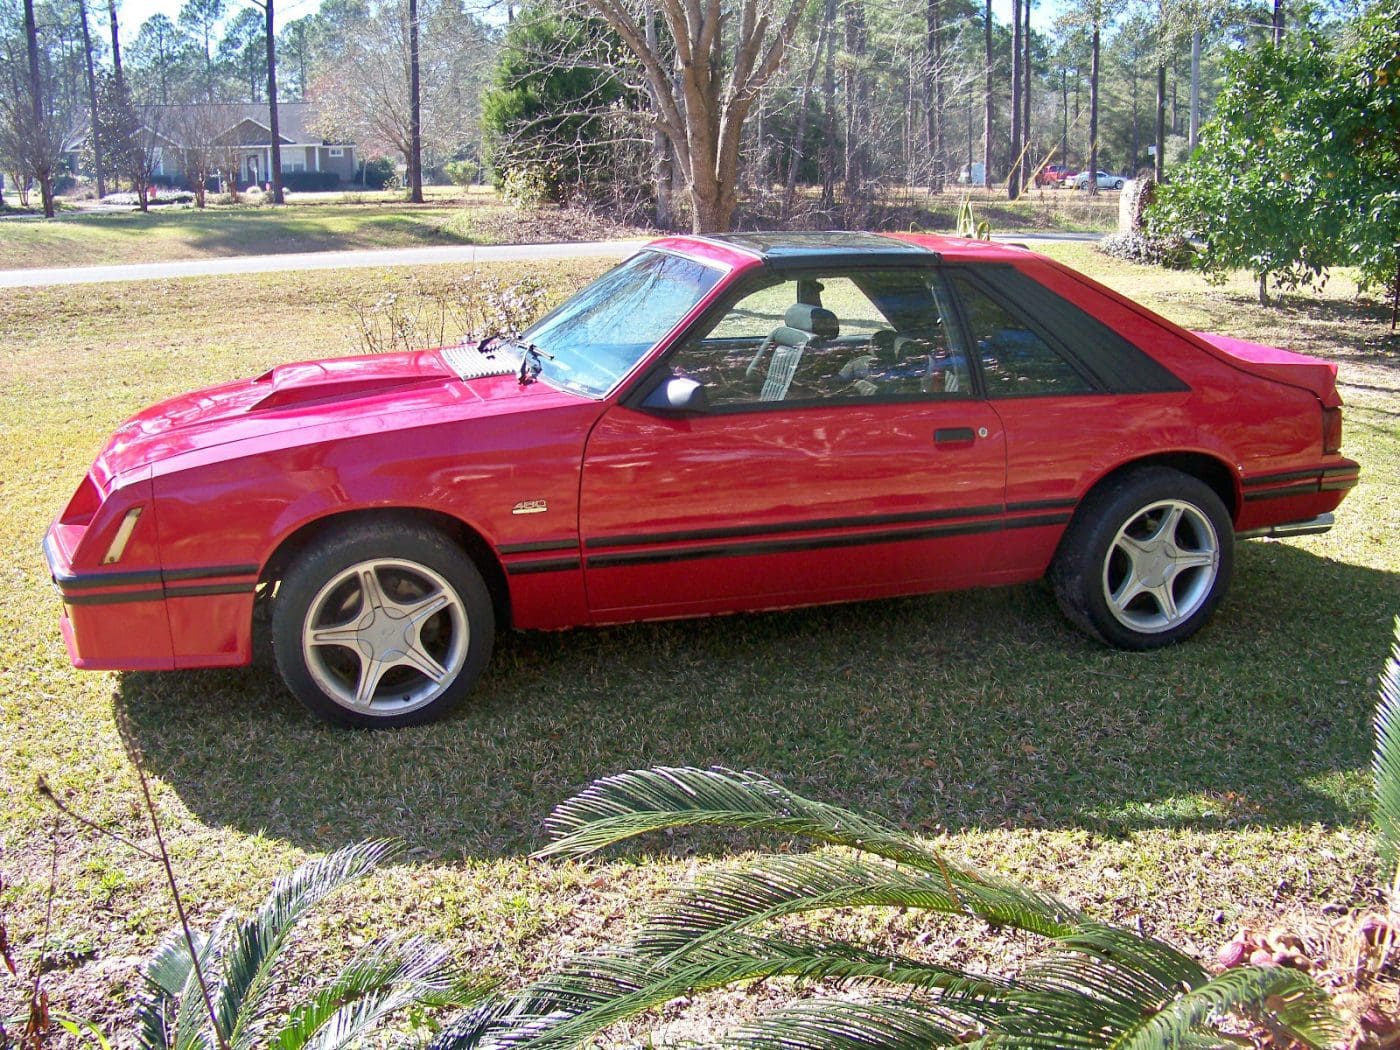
x=293, y=121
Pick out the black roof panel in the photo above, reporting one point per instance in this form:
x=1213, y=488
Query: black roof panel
x=806, y=244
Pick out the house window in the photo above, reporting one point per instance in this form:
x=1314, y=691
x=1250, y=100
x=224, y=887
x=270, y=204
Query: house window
x=337, y=151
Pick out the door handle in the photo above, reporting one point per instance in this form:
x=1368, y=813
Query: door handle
x=953, y=436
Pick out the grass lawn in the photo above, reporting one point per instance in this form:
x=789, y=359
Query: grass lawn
x=1221, y=782
x=324, y=222
x=313, y=222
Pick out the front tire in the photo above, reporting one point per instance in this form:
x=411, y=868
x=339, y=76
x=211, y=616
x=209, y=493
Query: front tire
x=1146, y=560
x=382, y=625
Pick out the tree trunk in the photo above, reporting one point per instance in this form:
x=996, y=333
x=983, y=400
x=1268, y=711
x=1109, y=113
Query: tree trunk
x=988, y=98
x=828, y=151
x=1013, y=177
x=1028, y=165
x=933, y=95
x=800, y=133
x=1093, y=177
x=1263, y=289
x=1278, y=23
x=276, y=159
x=415, y=126
x=660, y=144
x=1195, y=128
x=116, y=49
x=98, y=170
x=38, y=136
x=857, y=98
x=1161, y=120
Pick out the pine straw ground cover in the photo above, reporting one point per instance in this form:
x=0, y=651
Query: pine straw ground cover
x=1191, y=791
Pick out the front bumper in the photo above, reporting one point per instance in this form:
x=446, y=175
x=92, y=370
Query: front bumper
x=111, y=621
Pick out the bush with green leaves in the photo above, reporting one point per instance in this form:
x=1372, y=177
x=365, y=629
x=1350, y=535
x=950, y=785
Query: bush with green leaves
x=545, y=114
x=1093, y=985
x=1296, y=172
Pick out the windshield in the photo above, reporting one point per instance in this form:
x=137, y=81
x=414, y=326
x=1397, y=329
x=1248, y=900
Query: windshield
x=595, y=338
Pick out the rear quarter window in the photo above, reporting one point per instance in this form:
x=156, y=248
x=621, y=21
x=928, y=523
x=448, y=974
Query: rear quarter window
x=1096, y=352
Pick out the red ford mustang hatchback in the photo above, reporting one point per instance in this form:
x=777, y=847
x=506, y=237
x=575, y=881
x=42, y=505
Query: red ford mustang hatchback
x=720, y=423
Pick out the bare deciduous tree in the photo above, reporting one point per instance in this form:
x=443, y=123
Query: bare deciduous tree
x=723, y=56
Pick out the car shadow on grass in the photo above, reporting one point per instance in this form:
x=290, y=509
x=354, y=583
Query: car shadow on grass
x=976, y=709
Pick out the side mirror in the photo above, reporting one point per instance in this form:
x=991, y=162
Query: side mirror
x=677, y=394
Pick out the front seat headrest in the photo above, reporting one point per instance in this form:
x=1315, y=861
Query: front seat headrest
x=815, y=319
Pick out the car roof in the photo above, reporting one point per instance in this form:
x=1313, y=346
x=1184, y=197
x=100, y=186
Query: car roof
x=833, y=246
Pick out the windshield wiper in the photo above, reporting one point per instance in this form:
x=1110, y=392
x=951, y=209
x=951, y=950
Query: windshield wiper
x=532, y=359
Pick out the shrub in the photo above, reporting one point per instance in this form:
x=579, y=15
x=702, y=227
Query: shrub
x=462, y=172
x=376, y=172
x=1175, y=253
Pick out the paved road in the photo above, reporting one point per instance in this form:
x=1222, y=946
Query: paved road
x=460, y=254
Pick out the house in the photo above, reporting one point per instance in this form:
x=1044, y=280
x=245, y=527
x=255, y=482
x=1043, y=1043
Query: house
x=240, y=131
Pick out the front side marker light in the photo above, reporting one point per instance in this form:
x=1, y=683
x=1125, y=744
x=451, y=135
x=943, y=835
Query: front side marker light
x=120, y=540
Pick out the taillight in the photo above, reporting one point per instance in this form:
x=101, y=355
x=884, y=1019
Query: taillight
x=1331, y=430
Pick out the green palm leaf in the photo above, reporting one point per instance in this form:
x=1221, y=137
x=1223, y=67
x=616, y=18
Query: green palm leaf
x=1292, y=1001
x=255, y=944
x=381, y=979
x=597, y=991
x=894, y=1024
x=1385, y=762
x=774, y=887
x=1095, y=987
x=629, y=804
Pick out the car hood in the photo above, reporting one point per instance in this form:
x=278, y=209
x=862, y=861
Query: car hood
x=306, y=394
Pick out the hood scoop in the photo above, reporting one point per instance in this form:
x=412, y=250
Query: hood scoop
x=470, y=363
x=316, y=382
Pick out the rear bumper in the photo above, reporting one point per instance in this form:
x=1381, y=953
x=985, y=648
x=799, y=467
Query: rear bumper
x=1311, y=527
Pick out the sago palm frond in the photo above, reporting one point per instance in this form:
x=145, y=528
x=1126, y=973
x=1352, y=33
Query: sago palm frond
x=887, y=1024
x=239, y=960
x=1385, y=762
x=596, y=991
x=629, y=804
x=1094, y=986
x=381, y=979
x=256, y=943
x=779, y=886
x=1292, y=1003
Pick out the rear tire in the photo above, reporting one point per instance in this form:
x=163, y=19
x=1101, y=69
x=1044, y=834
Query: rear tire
x=382, y=624
x=1146, y=560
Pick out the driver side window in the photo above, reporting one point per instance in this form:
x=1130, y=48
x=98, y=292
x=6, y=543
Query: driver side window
x=832, y=337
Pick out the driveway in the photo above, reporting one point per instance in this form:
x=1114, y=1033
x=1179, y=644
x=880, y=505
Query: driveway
x=465, y=254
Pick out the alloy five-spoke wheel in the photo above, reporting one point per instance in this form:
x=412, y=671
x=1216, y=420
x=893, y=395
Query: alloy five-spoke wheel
x=385, y=636
x=1146, y=559
x=381, y=625
x=1161, y=566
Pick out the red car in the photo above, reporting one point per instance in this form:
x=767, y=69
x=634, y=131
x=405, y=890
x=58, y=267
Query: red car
x=720, y=423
